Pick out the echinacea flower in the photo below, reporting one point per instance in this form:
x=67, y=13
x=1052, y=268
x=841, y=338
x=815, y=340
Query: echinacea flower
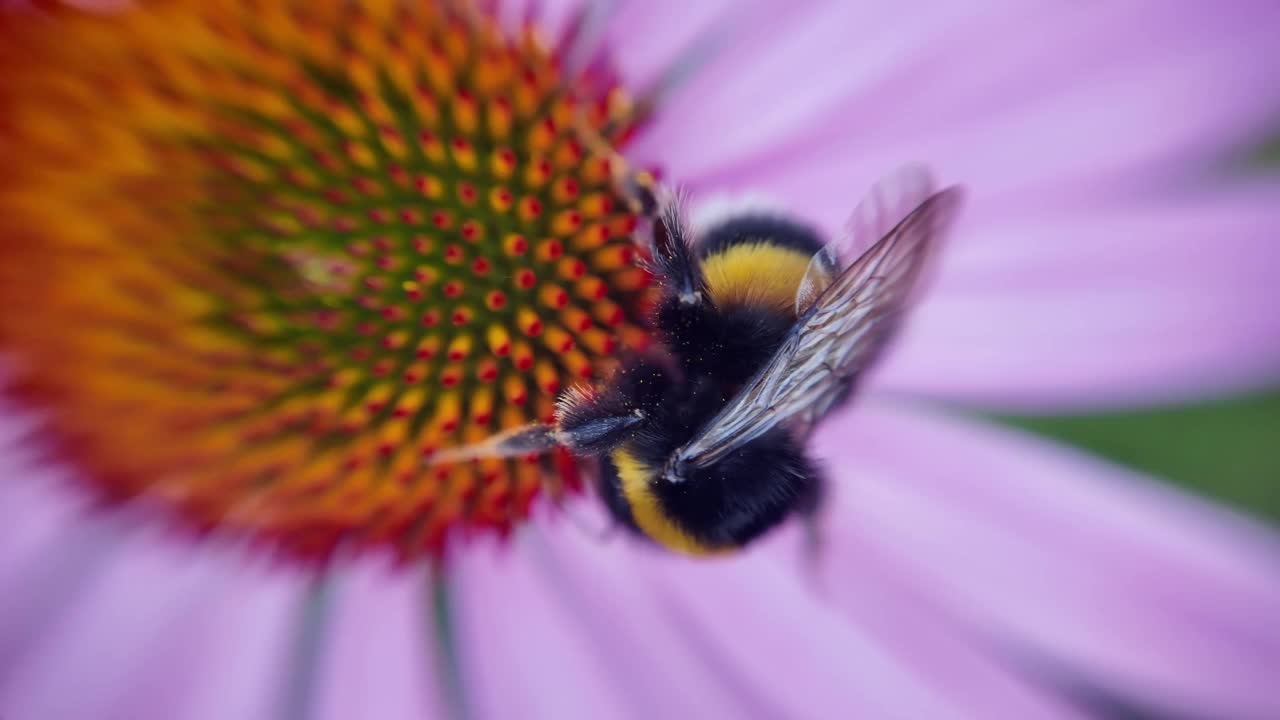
x=257, y=259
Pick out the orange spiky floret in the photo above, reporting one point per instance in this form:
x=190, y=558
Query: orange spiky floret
x=257, y=260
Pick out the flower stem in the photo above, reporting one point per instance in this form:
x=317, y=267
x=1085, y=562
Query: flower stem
x=443, y=640
x=299, y=694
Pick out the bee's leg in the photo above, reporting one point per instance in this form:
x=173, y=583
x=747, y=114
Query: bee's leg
x=669, y=245
x=559, y=496
x=671, y=257
x=598, y=534
x=592, y=423
x=814, y=543
x=609, y=531
x=812, y=514
x=638, y=188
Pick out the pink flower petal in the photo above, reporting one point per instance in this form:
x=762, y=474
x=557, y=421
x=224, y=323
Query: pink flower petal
x=958, y=663
x=1034, y=110
x=1105, y=578
x=644, y=39
x=804, y=654
x=143, y=626
x=1022, y=104
x=746, y=99
x=1165, y=302
x=520, y=649
x=244, y=667
x=548, y=16
x=751, y=635
x=34, y=515
x=738, y=619
x=44, y=576
x=629, y=633
x=229, y=657
x=147, y=636
x=105, y=639
x=377, y=649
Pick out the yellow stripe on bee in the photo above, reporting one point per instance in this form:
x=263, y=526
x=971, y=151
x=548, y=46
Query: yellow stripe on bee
x=646, y=509
x=756, y=274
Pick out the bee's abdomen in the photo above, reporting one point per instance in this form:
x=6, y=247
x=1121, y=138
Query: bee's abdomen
x=610, y=489
x=740, y=498
x=715, y=509
x=637, y=483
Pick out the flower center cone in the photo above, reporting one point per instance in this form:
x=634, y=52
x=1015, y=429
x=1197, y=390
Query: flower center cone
x=258, y=261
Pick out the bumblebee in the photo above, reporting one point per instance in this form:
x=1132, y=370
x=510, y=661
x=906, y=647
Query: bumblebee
x=762, y=331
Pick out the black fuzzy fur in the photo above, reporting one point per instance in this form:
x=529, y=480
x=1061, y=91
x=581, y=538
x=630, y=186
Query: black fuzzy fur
x=739, y=498
x=713, y=352
x=758, y=228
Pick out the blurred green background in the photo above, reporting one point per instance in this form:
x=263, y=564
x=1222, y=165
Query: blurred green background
x=1227, y=449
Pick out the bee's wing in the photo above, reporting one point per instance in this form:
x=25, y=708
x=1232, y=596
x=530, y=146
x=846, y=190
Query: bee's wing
x=890, y=200
x=842, y=331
